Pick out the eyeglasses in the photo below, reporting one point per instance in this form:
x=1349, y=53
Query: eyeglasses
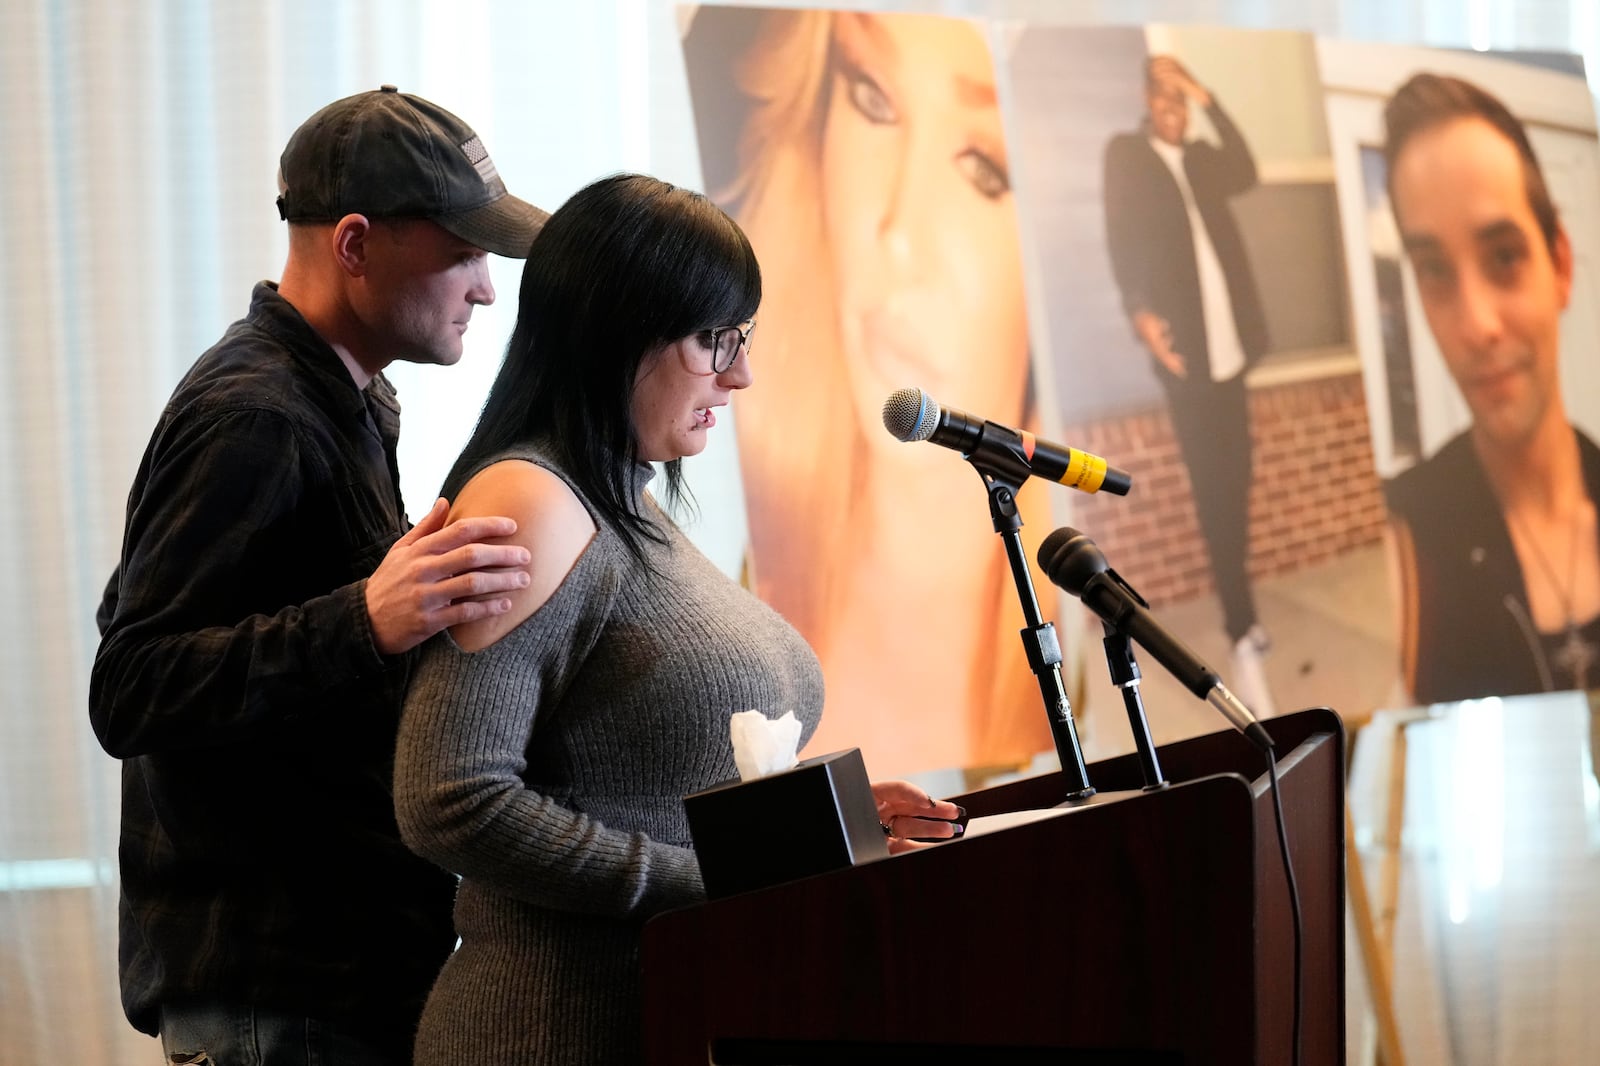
x=726, y=342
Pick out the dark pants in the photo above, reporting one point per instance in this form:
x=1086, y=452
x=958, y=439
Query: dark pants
x=1211, y=420
x=217, y=1034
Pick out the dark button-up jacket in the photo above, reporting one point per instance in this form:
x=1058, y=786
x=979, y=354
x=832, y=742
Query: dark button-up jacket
x=238, y=682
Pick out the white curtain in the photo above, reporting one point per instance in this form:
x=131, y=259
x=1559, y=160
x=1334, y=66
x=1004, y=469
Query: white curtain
x=138, y=152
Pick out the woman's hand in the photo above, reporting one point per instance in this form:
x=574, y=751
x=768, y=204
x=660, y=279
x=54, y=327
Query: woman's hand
x=911, y=817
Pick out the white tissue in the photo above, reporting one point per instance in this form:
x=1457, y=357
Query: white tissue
x=763, y=746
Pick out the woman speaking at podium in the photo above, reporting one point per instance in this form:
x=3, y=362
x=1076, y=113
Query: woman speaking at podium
x=544, y=753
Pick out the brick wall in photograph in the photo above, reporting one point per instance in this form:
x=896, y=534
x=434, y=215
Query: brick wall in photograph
x=1316, y=493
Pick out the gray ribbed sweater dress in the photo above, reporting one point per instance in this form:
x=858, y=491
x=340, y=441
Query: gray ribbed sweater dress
x=548, y=770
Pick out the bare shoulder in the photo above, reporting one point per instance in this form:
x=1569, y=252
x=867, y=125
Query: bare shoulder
x=552, y=524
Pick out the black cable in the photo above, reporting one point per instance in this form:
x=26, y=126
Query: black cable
x=1294, y=899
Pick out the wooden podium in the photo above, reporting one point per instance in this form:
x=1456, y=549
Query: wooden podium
x=1150, y=928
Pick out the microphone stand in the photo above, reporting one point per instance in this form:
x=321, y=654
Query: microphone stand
x=1003, y=476
x=1125, y=675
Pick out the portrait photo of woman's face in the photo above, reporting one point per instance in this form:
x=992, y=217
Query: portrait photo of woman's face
x=919, y=216
x=865, y=155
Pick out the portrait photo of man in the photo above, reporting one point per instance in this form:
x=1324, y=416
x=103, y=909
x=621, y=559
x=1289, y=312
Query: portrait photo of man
x=1493, y=535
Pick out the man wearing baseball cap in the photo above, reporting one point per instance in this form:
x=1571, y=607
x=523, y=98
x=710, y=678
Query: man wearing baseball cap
x=259, y=628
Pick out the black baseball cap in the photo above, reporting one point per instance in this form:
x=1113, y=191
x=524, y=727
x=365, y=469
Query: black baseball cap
x=387, y=154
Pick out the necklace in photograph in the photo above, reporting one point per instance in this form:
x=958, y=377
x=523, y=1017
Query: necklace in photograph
x=1575, y=655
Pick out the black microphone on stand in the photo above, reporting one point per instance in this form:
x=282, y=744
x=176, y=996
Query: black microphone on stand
x=1005, y=459
x=911, y=414
x=1074, y=562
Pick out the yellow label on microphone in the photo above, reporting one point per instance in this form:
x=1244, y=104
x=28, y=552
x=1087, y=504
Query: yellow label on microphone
x=1084, y=471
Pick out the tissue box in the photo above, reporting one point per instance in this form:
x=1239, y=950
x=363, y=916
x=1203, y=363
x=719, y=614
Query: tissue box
x=815, y=817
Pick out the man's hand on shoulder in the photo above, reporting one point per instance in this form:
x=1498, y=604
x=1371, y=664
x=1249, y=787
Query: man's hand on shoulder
x=436, y=576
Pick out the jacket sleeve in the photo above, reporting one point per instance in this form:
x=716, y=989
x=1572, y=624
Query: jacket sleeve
x=181, y=664
x=1232, y=165
x=460, y=796
x=1127, y=241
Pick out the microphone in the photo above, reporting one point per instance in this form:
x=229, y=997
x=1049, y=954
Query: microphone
x=911, y=414
x=1074, y=562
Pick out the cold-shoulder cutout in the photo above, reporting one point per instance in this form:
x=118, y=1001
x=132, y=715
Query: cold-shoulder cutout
x=552, y=523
